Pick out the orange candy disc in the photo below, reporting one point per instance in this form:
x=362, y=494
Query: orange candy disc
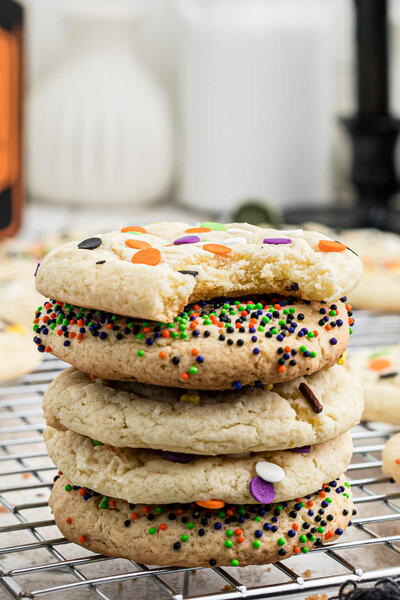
x=137, y=244
x=197, y=230
x=212, y=504
x=379, y=364
x=329, y=246
x=147, y=256
x=218, y=249
x=136, y=228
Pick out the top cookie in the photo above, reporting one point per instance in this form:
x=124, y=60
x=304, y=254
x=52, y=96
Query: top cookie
x=152, y=272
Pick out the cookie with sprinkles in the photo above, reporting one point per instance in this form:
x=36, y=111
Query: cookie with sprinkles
x=220, y=344
x=253, y=419
x=391, y=458
x=215, y=534
x=379, y=371
x=151, y=476
x=152, y=272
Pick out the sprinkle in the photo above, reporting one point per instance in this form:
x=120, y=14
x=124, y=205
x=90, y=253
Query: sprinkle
x=90, y=243
x=187, y=239
x=211, y=504
x=100, y=262
x=137, y=244
x=214, y=226
x=261, y=490
x=218, y=249
x=330, y=246
x=198, y=230
x=269, y=471
x=379, y=364
x=147, y=256
x=178, y=457
x=388, y=375
x=81, y=539
x=37, y=269
x=192, y=397
x=134, y=228
x=192, y=273
x=277, y=241
x=309, y=395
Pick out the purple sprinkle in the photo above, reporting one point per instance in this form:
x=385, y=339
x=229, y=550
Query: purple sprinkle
x=187, y=239
x=277, y=241
x=178, y=457
x=262, y=491
x=333, y=341
x=301, y=449
x=37, y=269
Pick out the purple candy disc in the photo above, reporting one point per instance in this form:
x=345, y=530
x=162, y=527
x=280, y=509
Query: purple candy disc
x=188, y=239
x=277, y=241
x=301, y=449
x=179, y=457
x=262, y=491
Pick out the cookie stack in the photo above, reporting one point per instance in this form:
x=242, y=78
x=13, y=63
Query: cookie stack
x=205, y=418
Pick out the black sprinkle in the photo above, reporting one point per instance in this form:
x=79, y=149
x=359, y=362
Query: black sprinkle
x=100, y=262
x=192, y=273
x=309, y=395
x=388, y=375
x=90, y=243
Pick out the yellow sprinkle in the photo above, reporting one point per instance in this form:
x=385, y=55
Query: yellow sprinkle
x=270, y=386
x=17, y=328
x=192, y=397
x=342, y=359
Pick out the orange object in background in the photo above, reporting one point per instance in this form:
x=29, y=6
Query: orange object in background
x=11, y=57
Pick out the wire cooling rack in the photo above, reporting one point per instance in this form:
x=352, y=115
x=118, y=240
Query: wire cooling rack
x=36, y=561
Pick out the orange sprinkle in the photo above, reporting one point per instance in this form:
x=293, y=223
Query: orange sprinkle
x=81, y=322
x=379, y=364
x=218, y=249
x=295, y=526
x=163, y=526
x=165, y=333
x=134, y=516
x=195, y=352
x=240, y=539
x=193, y=324
x=48, y=349
x=81, y=539
x=180, y=511
x=112, y=504
x=71, y=335
x=351, y=321
x=45, y=319
x=322, y=494
x=281, y=369
x=230, y=512
x=137, y=244
x=185, y=376
x=330, y=246
x=296, y=550
x=328, y=535
x=59, y=332
x=328, y=327
x=147, y=256
x=79, y=336
x=146, y=329
x=238, y=531
x=82, y=491
x=315, y=332
x=397, y=461
x=68, y=520
x=287, y=348
x=197, y=230
x=162, y=355
x=109, y=325
x=136, y=228
x=277, y=307
x=212, y=504
x=348, y=307
x=310, y=503
x=145, y=509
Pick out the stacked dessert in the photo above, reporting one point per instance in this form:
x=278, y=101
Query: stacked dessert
x=205, y=418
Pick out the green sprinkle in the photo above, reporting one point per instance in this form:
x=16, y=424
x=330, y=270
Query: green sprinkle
x=332, y=313
x=320, y=529
x=313, y=354
x=329, y=500
x=221, y=514
x=228, y=543
x=140, y=336
x=234, y=562
x=260, y=328
x=174, y=334
x=184, y=537
x=257, y=518
x=303, y=348
x=304, y=549
x=103, y=504
x=193, y=370
x=190, y=525
x=67, y=487
x=259, y=306
x=302, y=538
x=310, y=334
x=152, y=530
x=51, y=326
x=158, y=510
x=281, y=542
x=256, y=543
x=346, y=483
x=97, y=443
x=292, y=310
x=36, y=327
x=183, y=336
x=229, y=533
x=214, y=226
x=140, y=353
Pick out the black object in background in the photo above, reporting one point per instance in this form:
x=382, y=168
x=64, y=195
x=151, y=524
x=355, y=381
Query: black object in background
x=11, y=58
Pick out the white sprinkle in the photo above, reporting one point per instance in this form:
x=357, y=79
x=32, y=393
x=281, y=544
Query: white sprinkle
x=270, y=471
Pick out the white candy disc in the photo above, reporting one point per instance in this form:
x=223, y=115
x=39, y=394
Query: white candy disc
x=236, y=240
x=270, y=471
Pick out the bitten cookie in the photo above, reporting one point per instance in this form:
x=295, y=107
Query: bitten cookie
x=190, y=535
x=391, y=458
x=154, y=476
x=379, y=371
x=215, y=345
x=249, y=420
x=16, y=356
x=152, y=272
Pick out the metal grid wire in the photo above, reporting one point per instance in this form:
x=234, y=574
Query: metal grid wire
x=35, y=561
